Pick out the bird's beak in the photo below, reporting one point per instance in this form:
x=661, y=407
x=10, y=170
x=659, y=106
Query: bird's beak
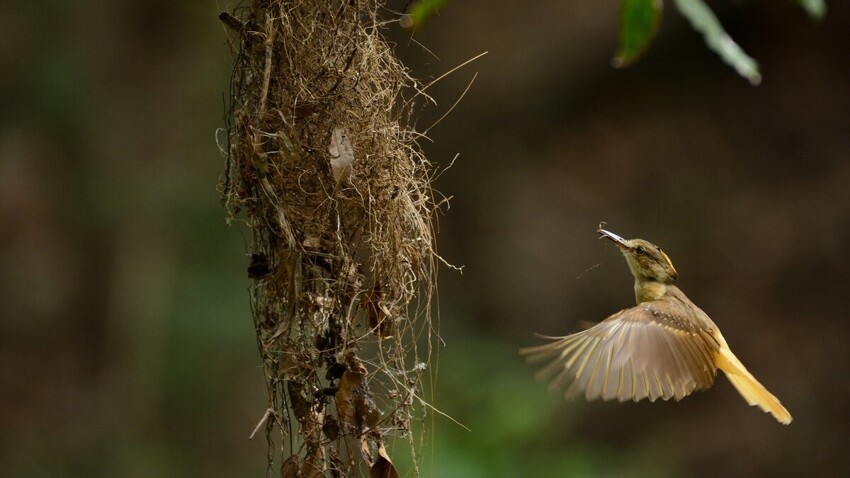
x=619, y=241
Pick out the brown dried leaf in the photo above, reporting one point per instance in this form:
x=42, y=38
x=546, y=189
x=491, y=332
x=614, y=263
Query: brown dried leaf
x=314, y=462
x=348, y=392
x=383, y=466
x=289, y=468
x=354, y=403
x=313, y=466
x=367, y=412
x=342, y=154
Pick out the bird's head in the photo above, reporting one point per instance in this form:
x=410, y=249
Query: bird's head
x=646, y=260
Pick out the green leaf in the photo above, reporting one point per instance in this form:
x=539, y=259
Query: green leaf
x=638, y=23
x=815, y=8
x=704, y=21
x=422, y=11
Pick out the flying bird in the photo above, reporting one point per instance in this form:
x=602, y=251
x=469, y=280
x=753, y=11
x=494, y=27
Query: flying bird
x=664, y=347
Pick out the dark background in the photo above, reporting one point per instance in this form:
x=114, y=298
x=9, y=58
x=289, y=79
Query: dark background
x=126, y=344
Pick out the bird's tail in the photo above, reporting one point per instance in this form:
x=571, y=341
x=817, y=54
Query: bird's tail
x=750, y=388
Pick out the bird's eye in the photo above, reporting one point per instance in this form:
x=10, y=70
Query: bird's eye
x=639, y=250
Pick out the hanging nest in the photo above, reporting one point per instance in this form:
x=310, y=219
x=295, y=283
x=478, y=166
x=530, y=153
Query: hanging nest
x=324, y=170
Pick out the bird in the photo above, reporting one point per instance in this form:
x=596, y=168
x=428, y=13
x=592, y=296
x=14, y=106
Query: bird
x=663, y=347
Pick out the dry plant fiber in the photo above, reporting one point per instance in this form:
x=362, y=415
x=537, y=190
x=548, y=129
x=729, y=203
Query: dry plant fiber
x=324, y=171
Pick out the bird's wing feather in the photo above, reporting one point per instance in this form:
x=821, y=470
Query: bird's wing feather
x=646, y=351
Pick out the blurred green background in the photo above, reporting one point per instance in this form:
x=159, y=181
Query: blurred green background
x=126, y=343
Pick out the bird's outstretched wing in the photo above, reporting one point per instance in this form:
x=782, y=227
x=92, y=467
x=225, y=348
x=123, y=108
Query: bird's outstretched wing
x=642, y=352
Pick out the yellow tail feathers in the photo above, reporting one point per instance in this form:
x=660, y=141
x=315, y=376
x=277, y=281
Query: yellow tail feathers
x=750, y=388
